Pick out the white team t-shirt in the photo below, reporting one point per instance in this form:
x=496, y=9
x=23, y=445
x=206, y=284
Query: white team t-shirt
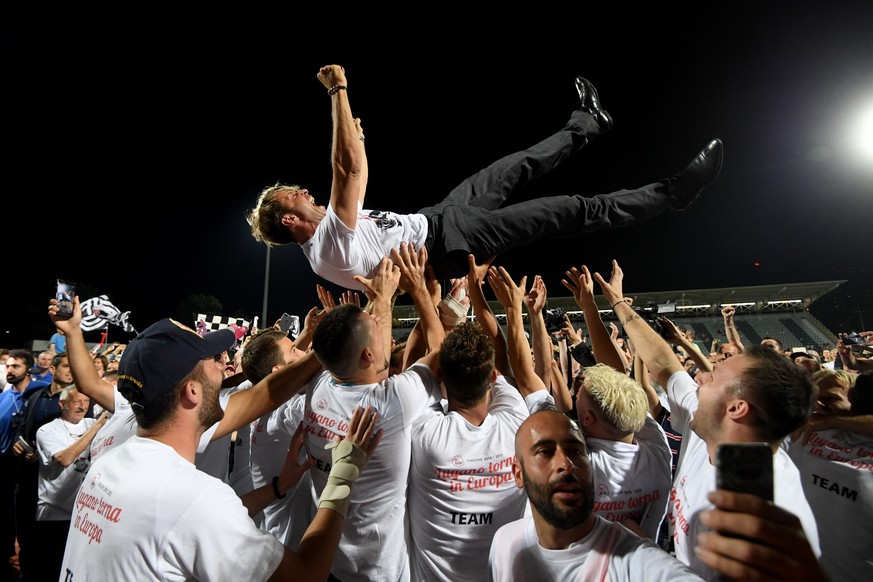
x=632, y=480
x=695, y=479
x=609, y=552
x=461, y=487
x=373, y=544
x=146, y=513
x=57, y=484
x=836, y=468
x=215, y=457
x=286, y=518
x=338, y=253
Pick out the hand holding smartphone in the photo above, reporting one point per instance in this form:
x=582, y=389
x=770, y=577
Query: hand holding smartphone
x=25, y=445
x=65, y=294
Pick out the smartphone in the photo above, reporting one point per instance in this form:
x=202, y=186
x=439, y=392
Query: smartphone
x=745, y=468
x=65, y=294
x=286, y=322
x=27, y=448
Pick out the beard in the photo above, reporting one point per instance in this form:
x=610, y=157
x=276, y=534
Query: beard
x=211, y=411
x=557, y=514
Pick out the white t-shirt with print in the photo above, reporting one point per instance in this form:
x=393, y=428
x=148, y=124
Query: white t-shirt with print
x=286, y=518
x=461, y=487
x=632, y=480
x=146, y=513
x=836, y=469
x=57, y=484
x=338, y=253
x=609, y=552
x=374, y=540
x=695, y=479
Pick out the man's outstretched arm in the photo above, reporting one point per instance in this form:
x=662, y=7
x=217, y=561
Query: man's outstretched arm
x=347, y=154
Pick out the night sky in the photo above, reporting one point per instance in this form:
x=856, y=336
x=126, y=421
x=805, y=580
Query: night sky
x=133, y=151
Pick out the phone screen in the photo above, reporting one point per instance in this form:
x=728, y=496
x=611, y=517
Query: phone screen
x=65, y=294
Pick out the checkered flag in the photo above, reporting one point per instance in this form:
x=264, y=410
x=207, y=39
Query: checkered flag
x=216, y=322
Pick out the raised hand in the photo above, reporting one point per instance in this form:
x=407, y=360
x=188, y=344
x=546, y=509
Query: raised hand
x=612, y=290
x=65, y=325
x=535, y=300
x=332, y=75
x=326, y=298
x=581, y=285
x=477, y=273
x=507, y=292
x=411, y=265
x=384, y=282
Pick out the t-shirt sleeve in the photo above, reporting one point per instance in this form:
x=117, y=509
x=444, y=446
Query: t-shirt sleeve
x=506, y=398
x=48, y=443
x=682, y=395
x=416, y=388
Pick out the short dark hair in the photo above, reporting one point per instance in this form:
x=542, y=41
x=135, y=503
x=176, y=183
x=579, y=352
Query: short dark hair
x=466, y=362
x=262, y=354
x=778, y=343
x=25, y=355
x=56, y=361
x=339, y=339
x=782, y=392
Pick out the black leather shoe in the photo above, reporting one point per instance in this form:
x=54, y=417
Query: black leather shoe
x=591, y=104
x=686, y=186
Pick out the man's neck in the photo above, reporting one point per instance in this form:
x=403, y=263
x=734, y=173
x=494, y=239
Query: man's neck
x=553, y=538
x=23, y=384
x=475, y=414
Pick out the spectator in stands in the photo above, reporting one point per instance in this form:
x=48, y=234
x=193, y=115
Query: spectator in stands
x=773, y=343
x=63, y=446
x=808, y=360
x=837, y=475
x=41, y=407
x=856, y=354
x=101, y=363
x=4, y=355
x=58, y=342
x=42, y=368
x=754, y=397
x=12, y=412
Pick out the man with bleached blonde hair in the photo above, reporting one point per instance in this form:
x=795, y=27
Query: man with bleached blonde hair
x=628, y=449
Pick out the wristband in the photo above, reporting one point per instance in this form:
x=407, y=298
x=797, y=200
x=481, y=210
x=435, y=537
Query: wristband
x=616, y=303
x=336, y=89
x=276, y=488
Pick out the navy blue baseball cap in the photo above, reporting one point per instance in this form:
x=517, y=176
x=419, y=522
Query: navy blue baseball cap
x=159, y=357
